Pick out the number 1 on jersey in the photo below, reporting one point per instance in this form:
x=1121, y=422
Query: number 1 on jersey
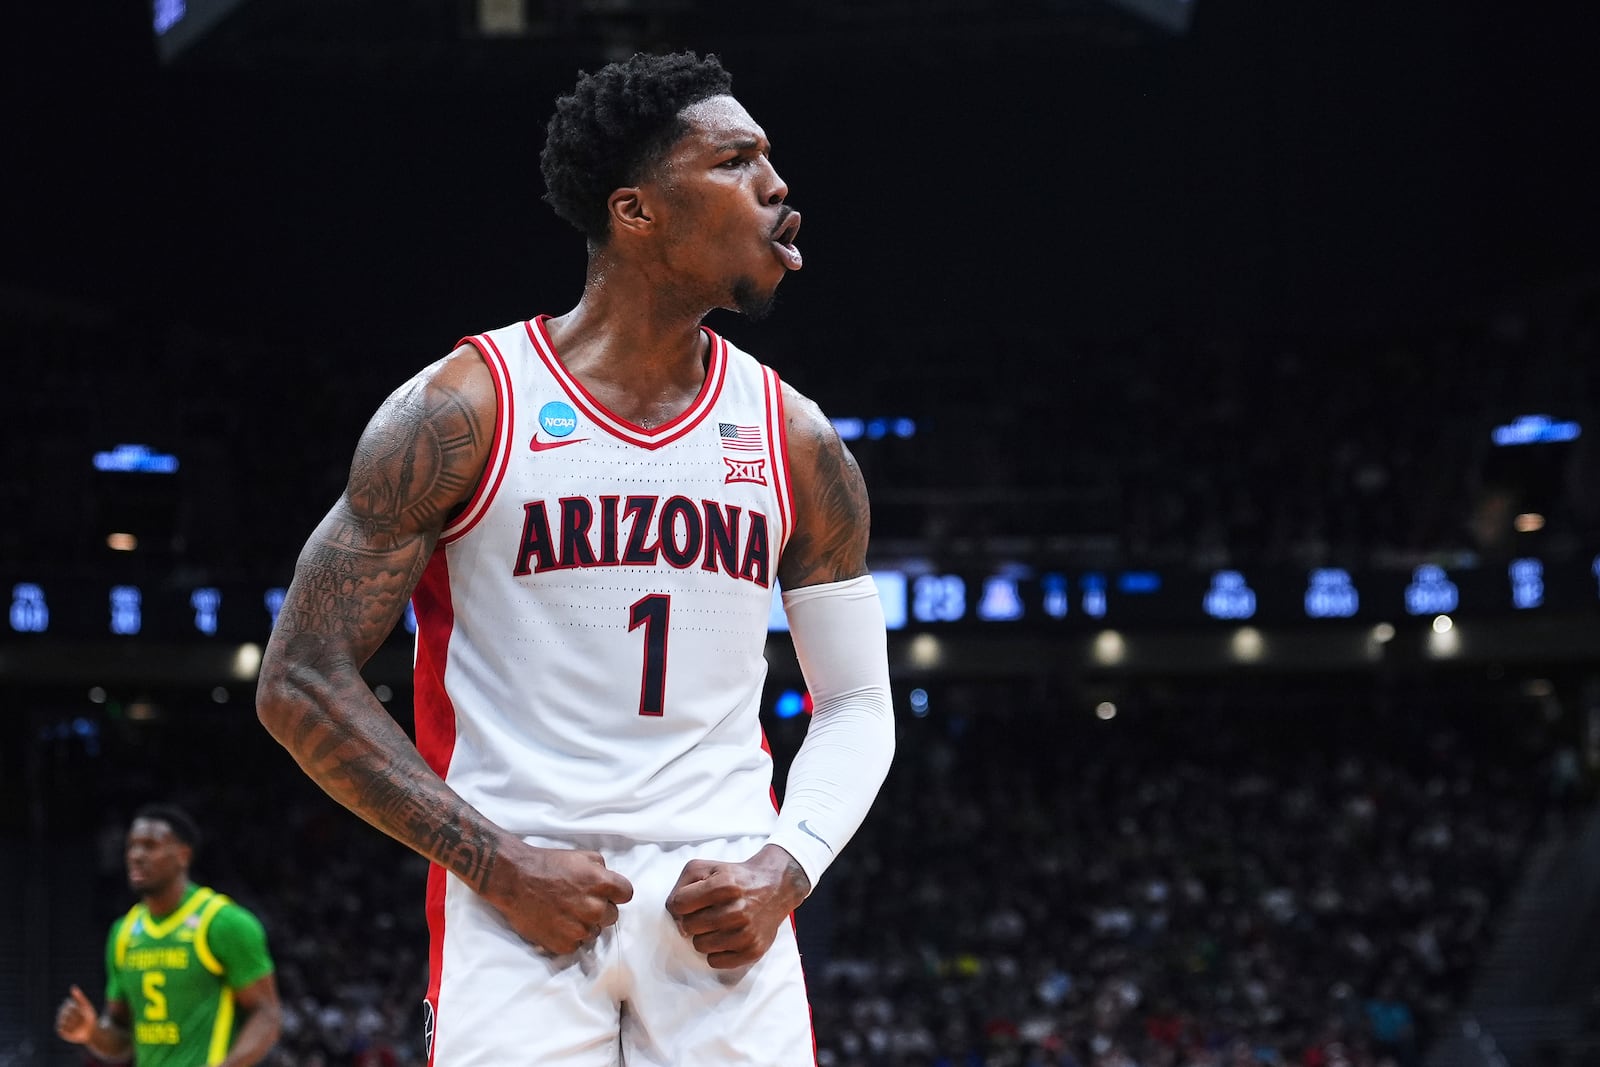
x=651, y=612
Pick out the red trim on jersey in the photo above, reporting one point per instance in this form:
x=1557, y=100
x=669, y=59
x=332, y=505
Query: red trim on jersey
x=667, y=432
x=766, y=746
x=499, y=449
x=778, y=449
x=435, y=715
x=811, y=1016
x=435, y=912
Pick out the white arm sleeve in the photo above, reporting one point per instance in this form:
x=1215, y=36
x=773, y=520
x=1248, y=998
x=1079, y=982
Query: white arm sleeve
x=839, y=637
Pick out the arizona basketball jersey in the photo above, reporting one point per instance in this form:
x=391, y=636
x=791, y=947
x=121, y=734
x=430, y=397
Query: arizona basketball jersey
x=591, y=628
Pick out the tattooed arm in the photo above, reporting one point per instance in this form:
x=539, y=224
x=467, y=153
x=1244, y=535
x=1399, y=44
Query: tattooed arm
x=733, y=910
x=419, y=460
x=832, y=520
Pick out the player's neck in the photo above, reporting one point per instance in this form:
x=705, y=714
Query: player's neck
x=165, y=901
x=634, y=335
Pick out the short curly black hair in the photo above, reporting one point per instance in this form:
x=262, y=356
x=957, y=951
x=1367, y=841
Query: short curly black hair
x=615, y=124
x=179, y=821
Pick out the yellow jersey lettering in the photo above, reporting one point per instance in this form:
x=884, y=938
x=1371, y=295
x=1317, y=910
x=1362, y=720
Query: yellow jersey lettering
x=162, y=957
x=160, y=1033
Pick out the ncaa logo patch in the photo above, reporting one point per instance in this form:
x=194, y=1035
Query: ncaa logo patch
x=558, y=419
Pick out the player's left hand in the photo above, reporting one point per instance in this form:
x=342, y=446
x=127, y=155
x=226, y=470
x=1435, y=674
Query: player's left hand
x=732, y=911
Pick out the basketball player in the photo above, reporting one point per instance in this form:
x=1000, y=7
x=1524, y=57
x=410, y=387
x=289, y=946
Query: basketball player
x=189, y=980
x=589, y=512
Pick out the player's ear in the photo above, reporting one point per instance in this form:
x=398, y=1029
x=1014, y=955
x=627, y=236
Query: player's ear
x=629, y=211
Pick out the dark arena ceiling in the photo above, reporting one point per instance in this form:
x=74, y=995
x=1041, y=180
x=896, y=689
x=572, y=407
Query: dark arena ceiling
x=421, y=34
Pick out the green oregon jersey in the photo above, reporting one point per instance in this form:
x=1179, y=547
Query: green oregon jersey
x=177, y=975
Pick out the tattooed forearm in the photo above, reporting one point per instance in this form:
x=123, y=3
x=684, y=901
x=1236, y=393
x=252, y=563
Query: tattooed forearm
x=383, y=779
x=448, y=839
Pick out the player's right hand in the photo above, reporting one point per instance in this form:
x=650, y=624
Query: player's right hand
x=557, y=899
x=75, y=1019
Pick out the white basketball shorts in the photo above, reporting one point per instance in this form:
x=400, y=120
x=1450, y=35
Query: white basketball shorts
x=640, y=996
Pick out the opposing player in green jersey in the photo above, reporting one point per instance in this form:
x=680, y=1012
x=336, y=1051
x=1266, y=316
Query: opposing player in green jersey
x=189, y=980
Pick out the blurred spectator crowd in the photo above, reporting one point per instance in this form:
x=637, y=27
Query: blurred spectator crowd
x=1211, y=881
x=1182, y=886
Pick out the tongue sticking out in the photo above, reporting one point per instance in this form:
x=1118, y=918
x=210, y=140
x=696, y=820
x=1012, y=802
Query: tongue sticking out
x=789, y=254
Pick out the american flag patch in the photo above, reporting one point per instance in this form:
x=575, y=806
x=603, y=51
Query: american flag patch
x=739, y=438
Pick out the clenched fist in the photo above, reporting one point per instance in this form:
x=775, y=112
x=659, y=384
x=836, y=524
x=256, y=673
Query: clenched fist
x=732, y=911
x=556, y=899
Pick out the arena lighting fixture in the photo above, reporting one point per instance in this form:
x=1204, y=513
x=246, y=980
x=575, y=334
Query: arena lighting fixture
x=1443, y=644
x=97, y=694
x=383, y=693
x=1383, y=633
x=1528, y=522
x=1173, y=16
x=135, y=459
x=1443, y=624
x=790, y=703
x=1535, y=430
x=122, y=542
x=219, y=695
x=1105, y=711
x=1247, y=644
x=247, y=661
x=1109, y=648
x=502, y=18
x=918, y=698
x=925, y=651
x=180, y=24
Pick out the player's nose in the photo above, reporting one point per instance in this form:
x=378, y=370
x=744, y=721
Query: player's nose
x=777, y=188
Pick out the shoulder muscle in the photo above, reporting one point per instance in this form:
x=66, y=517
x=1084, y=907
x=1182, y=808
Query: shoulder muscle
x=832, y=517
x=425, y=449
x=420, y=457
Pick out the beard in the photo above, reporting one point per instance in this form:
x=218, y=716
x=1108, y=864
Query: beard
x=751, y=302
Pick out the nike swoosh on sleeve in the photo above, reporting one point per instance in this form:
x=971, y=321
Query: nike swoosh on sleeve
x=806, y=829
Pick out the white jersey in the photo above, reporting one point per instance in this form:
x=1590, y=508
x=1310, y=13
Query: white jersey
x=591, y=629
